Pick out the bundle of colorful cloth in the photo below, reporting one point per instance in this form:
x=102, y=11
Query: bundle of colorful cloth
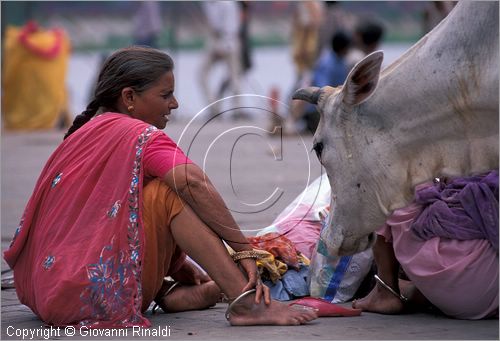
x=283, y=269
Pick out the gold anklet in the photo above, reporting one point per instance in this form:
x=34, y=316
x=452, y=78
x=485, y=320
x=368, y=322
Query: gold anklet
x=244, y=294
x=391, y=290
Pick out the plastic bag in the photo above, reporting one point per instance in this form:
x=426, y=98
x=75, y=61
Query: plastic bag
x=335, y=278
x=301, y=220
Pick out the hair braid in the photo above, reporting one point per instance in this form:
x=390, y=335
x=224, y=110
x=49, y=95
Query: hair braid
x=83, y=118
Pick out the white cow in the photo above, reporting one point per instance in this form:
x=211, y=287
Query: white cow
x=433, y=112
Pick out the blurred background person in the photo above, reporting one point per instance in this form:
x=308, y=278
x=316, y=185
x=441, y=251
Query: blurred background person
x=368, y=35
x=147, y=23
x=223, y=45
x=335, y=18
x=246, y=44
x=331, y=69
x=307, y=20
x=34, y=67
x=245, y=52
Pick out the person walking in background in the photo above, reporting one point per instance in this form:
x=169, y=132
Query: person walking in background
x=335, y=18
x=306, y=23
x=245, y=51
x=223, y=45
x=307, y=20
x=331, y=69
x=147, y=23
x=367, y=37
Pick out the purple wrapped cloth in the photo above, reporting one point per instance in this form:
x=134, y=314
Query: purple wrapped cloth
x=464, y=208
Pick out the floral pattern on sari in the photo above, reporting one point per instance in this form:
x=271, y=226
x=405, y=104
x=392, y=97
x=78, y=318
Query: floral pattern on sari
x=133, y=227
x=113, y=211
x=18, y=230
x=107, y=294
x=48, y=262
x=110, y=290
x=56, y=180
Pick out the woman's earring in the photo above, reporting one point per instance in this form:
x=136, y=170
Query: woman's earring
x=130, y=108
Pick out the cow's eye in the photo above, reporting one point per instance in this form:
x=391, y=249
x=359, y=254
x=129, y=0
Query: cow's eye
x=318, y=148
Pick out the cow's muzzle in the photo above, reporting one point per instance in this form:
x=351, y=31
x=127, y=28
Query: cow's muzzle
x=350, y=247
x=337, y=245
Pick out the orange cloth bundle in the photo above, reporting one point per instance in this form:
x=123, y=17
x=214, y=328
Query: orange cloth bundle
x=279, y=246
x=35, y=64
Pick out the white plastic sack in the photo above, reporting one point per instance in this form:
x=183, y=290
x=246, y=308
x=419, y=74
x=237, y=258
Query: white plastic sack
x=336, y=279
x=301, y=220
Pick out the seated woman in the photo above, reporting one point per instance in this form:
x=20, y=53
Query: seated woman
x=116, y=207
x=446, y=242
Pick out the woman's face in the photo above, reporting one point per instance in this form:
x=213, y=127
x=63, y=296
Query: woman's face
x=153, y=105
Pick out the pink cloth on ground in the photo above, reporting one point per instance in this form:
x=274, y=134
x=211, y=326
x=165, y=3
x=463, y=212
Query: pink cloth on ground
x=458, y=277
x=304, y=233
x=77, y=254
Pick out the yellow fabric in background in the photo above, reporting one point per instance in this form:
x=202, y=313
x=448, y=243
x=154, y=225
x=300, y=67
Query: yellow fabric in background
x=34, y=92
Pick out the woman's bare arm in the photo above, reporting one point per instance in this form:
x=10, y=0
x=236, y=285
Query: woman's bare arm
x=194, y=187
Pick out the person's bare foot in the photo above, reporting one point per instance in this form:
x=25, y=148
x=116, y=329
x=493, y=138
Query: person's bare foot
x=416, y=300
x=193, y=297
x=380, y=300
x=247, y=313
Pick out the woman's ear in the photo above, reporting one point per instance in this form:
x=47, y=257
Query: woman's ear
x=128, y=96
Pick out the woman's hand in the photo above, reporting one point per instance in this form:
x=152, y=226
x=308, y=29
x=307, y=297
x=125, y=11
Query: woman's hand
x=254, y=281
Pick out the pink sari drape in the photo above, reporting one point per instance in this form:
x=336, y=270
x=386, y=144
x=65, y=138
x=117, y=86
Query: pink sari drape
x=460, y=277
x=78, y=250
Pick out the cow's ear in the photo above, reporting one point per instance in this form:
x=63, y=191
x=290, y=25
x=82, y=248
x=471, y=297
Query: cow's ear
x=363, y=78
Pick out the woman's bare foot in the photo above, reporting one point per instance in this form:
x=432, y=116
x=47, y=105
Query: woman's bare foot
x=379, y=300
x=193, y=297
x=247, y=313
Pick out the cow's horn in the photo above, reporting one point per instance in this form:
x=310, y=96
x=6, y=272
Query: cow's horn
x=310, y=94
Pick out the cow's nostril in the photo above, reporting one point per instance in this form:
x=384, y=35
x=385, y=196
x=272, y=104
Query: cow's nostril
x=318, y=148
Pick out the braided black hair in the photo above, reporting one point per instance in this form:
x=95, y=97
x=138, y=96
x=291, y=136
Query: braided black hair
x=83, y=118
x=137, y=67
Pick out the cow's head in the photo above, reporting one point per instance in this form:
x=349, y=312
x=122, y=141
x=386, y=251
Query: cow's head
x=343, y=143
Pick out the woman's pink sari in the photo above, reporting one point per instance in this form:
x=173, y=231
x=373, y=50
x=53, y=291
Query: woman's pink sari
x=78, y=250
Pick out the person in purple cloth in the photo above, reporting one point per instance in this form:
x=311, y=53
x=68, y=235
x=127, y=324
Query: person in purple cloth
x=446, y=242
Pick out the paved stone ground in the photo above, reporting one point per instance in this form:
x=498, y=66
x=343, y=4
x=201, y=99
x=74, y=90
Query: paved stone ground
x=258, y=176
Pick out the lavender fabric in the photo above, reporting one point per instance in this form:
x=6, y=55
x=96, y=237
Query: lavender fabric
x=463, y=208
